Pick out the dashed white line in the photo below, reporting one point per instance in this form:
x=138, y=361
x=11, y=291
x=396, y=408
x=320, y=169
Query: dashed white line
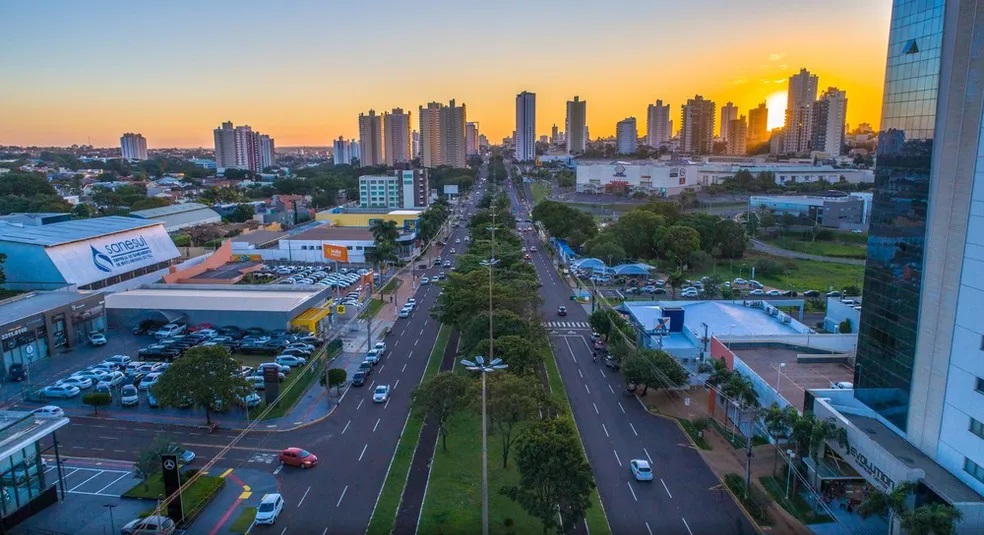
x=595, y=407
x=339, y=503
x=372, y=384
x=360, y=404
x=404, y=367
x=305, y=496
x=381, y=366
x=579, y=373
x=344, y=429
x=588, y=389
x=649, y=529
x=617, y=458
x=363, y=451
x=634, y=497
x=283, y=532
x=421, y=332
x=606, y=430
x=612, y=389
x=396, y=384
x=648, y=456
x=633, y=429
x=387, y=404
x=687, y=525
x=621, y=407
x=377, y=425
x=602, y=372
x=667, y=489
x=415, y=342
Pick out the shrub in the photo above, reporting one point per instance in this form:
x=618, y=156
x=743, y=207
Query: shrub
x=770, y=267
x=96, y=400
x=755, y=502
x=845, y=326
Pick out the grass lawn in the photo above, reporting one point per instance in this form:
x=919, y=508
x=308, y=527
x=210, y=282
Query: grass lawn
x=243, y=521
x=194, y=497
x=795, y=504
x=802, y=275
x=540, y=191
x=388, y=503
x=822, y=248
x=370, y=312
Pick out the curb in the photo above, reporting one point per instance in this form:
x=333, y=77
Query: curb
x=700, y=452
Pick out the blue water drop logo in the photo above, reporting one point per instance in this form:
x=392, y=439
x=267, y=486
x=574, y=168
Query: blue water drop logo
x=101, y=261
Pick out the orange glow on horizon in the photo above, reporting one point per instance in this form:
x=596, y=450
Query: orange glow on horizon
x=776, y=103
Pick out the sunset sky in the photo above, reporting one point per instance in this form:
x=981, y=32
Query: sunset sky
x=302, y=71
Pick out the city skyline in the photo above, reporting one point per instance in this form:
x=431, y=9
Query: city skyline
x=178, y=102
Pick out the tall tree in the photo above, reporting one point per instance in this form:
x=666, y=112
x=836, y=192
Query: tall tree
x=731, y=238
x=678, y=242
x=208, y=377
x=653, y=369
x=440, y=398
x=518, y=352
x=513, y=402
x=554, y=476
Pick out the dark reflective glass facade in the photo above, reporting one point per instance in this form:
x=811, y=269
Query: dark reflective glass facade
x=894, y=270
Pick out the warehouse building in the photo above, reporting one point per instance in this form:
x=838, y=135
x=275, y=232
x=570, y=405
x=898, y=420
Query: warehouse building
x=179, y=216
x=87, y=254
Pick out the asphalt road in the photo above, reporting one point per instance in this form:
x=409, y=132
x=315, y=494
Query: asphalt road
x=354, y=445
x=685, y=497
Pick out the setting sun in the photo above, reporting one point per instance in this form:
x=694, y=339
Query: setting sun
x=776, y=103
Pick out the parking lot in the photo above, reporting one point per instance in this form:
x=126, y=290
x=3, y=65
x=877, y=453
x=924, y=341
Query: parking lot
x=93, y=481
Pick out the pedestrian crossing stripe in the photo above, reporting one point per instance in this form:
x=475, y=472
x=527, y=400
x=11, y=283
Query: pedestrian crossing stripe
x=568, y=325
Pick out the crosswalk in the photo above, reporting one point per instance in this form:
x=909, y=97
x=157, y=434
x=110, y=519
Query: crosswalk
x=568, y=325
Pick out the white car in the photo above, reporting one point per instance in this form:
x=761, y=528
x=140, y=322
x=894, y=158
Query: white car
x=149, y=380
x=129, y=396
x=81, y=383
x=118, y=360
x=757, y=291
x=381, y=394
x=60, y=391
x=412, y=302
x=48, y=411
x=405, y=313
x=380, y=348
x=774, y=293
x=269, y=509
x=97, y=339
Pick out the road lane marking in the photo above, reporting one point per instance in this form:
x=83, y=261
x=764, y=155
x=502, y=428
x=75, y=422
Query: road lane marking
x=602, y=373
x=377, y=425
x=633, y=429
x=617, y=458
x=649, y=529
x=401, y=371
x=396, y=343
x=632, y=490
x=620, y=405
x=344, y=429
x=647, y=455
x=421, y=332
x=667, y=489
x=372, y=384
x=339, y=503
x=579, y=373
x=415, y=342
x=114, y=481
x=325, y=532
x=387, y=404
x=381, y=366
x=363, y=451
x=595, y=405
x=305, y=496
x=360, y=404
x=586, y=388
x=397, y=383
x=612, y=389
x=606, y=430
x=284, y=531
x=278, y=469
x=687, y=525
x=99, y=473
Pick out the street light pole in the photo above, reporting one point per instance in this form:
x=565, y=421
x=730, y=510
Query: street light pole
x=789, y=469
x=479, y=365
x=779, y=375
x=112, y=523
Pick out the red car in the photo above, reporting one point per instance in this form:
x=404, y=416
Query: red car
x=199, y=327
x=298, y=457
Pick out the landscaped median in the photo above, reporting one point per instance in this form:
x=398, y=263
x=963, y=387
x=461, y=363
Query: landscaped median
x=388, y=503
x=193, y=499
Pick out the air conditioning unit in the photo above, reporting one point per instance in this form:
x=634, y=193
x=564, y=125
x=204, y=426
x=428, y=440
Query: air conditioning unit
x=774, y=312
x=787, y=319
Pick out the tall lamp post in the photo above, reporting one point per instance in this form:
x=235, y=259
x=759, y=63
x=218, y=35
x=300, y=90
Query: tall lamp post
x=479, y=365
x=112, y=523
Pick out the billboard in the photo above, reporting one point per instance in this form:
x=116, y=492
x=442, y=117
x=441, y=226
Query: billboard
x=338, y=253
x=450, y=189
x=85, y=262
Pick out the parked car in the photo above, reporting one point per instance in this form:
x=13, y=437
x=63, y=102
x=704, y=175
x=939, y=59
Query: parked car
x=359, y=378
x=171, y=329
x=251, y=400
x=129, y=396
x=811, y=293
x=60, y=391
x=774, y=293
x=366, y=367
x=82, y=383
x=97, y=339
x=118, y=360
x=756, y=284
x=281, y=368
x=150, y=525
x=290, y=361
x=372, y=356
x=270, y=507
x=380, y=348
x=16, y=372
x=298, y=457
x=148, y=381
x=147, y=327
x=757, y=291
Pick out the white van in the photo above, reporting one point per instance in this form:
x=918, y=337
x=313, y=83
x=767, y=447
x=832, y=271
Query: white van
x=171, y=329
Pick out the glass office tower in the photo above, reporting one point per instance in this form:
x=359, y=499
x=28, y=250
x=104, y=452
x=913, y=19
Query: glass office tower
x=893, y=278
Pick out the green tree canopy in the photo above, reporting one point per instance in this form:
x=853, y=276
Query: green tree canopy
x=513, y=402
x=654, y=369
x=208, y=377
x=520, y=353
x=678, y=242
x=441, y=397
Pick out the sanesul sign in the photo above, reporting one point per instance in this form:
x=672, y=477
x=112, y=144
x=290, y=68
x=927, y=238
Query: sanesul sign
x=89, y=261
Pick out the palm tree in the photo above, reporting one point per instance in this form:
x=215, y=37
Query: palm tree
x=740, y=390
x=675, y=281
x=775, y=424
x=384, y=230
x=930, y=519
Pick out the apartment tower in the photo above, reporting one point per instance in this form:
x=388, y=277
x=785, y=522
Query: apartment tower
x=525, y=140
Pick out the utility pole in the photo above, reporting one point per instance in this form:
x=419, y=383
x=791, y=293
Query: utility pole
x=748, y=455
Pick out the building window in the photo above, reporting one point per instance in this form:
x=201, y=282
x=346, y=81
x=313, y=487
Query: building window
x=977, y=428
x=974, y=469
x=982, y=342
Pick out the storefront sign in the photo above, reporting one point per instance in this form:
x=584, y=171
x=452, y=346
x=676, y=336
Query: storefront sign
x=869, y=467
x=10, y=334
x=338, y=253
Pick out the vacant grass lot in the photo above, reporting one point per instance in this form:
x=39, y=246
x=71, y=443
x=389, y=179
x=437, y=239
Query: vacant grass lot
x=821, y=248
x=801, y=275
x=540, y=191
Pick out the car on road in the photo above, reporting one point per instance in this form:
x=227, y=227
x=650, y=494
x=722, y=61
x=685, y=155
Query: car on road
x=533, y=248
x=48, y=412
x=16, y=372
x=561, y=310
x=270, y=507
x=453, y=251
x=366, y=367
x=359, y=378
x=447, y=263
x=97, y=339
x=756, y=284
x=811, y=293
x=291, y=361
x=405, y=312
x=372, y=356
x=151, y=525
x=298, y=457
x=381, y=394
x=60, y=391
x=424, y=280
x=186, y=456
x=457, y=240
x=380, y=348
x=129, y=396
x=641, y=470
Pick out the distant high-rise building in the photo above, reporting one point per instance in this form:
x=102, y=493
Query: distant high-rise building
x=777, y=141
x=483, y=141
x=471, y=138
x=525, y=139
x=267, y=151
x=247, y=149
x=225, y=146
x=738, y=136
x=576, y=126
x=133, y=147
x=697, y=130
x=396, y=137
x=371, y=139
x=355, y=151
x=658, y=124
x=758, y=124
x=729, y=112
x=828, y=122
x=554, y=135
x=799, y=109
x=342, y=151
x=415, y=144
x=626, y=136
x=442, y=135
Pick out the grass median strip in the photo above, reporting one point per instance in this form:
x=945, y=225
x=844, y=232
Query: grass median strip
x=244, y=521
x=375, y=305
x=384, y=516
x=193, y=499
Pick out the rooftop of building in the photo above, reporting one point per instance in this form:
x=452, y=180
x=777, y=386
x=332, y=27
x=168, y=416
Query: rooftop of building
x=796, y=377
x=260, y=237
x=255, y=298
x=329, y=233
x=229, y=271
x=820, y=196
x=723, y=318
x=26, y=305
x=360, y=210
x=72, y=231
x=20, y=429
x=163, y=211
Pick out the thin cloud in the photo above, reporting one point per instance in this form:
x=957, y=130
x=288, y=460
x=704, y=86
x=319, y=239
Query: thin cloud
x=739, y=81
x=776, y=56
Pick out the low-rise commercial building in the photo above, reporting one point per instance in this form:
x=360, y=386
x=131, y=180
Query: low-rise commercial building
x=833, y=209
x=362, y=218
x=180, y=216
x=28, y=484
x=627, y=177
x=710, y=174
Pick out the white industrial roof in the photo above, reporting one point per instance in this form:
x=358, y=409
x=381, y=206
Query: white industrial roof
x=190, y=297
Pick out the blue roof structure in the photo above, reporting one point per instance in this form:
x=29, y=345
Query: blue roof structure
x=71, y=231
x=589, y=263
x=565, y=250
x=632, y=269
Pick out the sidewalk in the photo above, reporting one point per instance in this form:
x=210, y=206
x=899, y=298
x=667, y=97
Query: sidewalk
x=722, y=458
